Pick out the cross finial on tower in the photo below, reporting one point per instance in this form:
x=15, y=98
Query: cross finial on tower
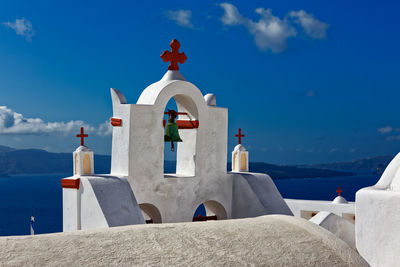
x=339, y=191
x=174, y=56
x=82, y=136
x=239, y=136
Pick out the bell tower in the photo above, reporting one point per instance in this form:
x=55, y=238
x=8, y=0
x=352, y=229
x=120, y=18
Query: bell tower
x=83, y=157
x=240, y=156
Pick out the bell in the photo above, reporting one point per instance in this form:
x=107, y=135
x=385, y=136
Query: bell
x=171, y=130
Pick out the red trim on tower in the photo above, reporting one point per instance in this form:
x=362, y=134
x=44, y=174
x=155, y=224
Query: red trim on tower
x=116, y=122
x=185, y=124
x=70, y=183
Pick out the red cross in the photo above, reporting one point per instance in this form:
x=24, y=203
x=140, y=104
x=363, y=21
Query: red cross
x=239, y=135
x=82, y=136
x=339, y=191
x=174, y=56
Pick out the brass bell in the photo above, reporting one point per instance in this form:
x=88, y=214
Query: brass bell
x=171, y=129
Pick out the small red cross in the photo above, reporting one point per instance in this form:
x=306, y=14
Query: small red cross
x=339, y=191
x=82, y=136
x=174, y=56
x=239, y=135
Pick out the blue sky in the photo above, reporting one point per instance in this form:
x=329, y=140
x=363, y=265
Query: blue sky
x=307, y=81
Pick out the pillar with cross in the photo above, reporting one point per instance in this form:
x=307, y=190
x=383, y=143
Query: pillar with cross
x=240, y=156
x=83, y=157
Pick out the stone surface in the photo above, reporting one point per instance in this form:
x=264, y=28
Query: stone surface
x=274, y=240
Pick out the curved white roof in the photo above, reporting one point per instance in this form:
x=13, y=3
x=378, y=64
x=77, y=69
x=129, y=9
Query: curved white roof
x=272, y=240
x=239, y=147
x=83, y=149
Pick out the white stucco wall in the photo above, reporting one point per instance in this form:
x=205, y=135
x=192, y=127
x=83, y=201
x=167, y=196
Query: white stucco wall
x=378, y=218
x=101, y=201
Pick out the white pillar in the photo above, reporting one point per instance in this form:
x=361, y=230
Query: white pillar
x=83, y=161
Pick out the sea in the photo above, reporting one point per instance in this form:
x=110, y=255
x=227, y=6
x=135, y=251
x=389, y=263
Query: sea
x=22, y=196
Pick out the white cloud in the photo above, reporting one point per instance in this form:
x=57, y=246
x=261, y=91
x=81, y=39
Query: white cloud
x=231, y=15
x=313, y=27
x=269, y=32
x=15, y=123
x=21, y=27
x=385, y=130
x=181, y=17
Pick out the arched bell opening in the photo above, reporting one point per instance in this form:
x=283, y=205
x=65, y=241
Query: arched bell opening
x=187, y=123
x=210, y=210
x=150, y=213
x=169, y=156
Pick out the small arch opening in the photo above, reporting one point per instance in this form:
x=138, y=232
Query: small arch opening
x=210, y=210
x=150, y=213
x=86, y=164
x=243, y=162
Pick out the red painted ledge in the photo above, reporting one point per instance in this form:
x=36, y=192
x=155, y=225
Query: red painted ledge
x=116, y=122
x=70, y=183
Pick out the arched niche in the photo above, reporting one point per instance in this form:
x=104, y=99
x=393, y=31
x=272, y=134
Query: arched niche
x=214, y=211
x=186, y=150
x=86, y=164
x=243, y=162
x=150, y=213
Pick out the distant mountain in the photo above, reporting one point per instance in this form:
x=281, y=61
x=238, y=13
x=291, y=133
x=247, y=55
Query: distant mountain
x=287, y=171
x=375, y=165
x=31, y=161
x=5, y=149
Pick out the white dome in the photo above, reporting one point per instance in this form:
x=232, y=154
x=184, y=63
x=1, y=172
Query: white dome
x=210, y=99
x=240, y=147
x=339, y=200
x=173, y=75
x=83, y=149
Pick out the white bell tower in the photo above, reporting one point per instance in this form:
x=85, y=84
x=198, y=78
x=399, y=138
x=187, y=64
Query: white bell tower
x=83, y=158
x=240, y=156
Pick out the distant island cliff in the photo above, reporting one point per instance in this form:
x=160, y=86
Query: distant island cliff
x=34, y=161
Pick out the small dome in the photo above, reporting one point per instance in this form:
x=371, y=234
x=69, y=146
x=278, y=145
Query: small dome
x=240, y=147
x=210, y=99
x=172, y=75
x=83, y=149
x=339, y=200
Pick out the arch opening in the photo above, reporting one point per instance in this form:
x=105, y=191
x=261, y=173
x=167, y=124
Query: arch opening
x=150, y=213
x=86, y=164
x=185, y=151
x=243, y=162
x=210, y=210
